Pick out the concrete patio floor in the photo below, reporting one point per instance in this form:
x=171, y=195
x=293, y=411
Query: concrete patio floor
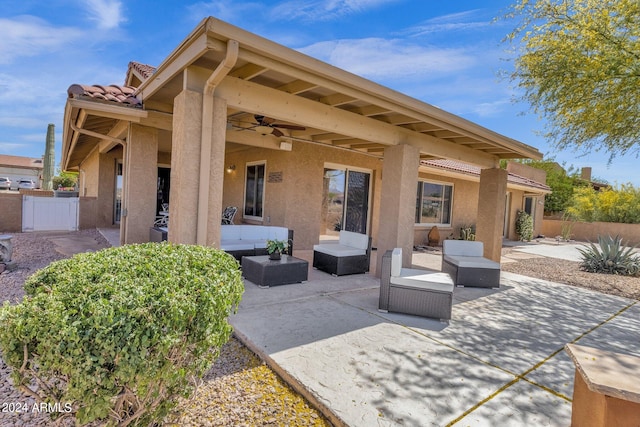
x=499, y=361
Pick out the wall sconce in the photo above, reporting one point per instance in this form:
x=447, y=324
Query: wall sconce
x=231, y=168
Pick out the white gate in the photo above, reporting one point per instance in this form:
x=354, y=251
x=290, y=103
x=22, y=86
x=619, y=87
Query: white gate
x=50, y=213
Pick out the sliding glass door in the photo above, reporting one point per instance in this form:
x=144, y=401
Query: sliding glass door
x=345, y=200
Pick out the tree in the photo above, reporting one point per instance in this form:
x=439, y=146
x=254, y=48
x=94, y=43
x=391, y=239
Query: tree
x=561, y=180
x=578, y=64
x=65, y=179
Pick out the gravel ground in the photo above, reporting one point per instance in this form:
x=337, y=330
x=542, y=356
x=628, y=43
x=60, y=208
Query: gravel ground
x=568, y=272
x=240, y=390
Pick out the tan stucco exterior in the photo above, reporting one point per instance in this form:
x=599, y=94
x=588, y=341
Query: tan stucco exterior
x=296, y=201
x=199, y=114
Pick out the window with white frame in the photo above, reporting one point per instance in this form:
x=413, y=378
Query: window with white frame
x=254, y=190
x=434, y=201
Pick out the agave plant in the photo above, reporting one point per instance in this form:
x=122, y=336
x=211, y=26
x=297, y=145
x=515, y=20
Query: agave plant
x=610, y=257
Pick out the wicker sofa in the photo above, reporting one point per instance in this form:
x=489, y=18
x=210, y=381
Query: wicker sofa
x=411, y=291
x=464, y=261
x=250, y=240
x=351, y=255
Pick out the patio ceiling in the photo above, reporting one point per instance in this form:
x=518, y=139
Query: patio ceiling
x=336, y=108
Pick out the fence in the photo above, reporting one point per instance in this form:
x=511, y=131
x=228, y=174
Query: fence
x=11, y=211
x=589, y=231
x=50, y=213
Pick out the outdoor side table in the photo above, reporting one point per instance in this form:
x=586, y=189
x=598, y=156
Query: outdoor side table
x=265, y=272
x=606, y=388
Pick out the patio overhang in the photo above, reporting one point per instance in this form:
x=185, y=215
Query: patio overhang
x=91, y=125
x=336, y=108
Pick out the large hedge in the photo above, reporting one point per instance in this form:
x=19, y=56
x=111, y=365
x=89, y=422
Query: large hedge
x=117, y=335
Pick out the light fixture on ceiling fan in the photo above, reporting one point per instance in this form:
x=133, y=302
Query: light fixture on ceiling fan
x=267, y=126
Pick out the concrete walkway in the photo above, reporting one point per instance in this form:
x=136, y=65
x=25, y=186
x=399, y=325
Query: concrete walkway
x=498, y=362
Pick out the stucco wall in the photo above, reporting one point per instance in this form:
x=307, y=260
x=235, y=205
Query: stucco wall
x=465, y=209
x=97, y=180
x=589, y=231
x=296, y=201
x=10, y=212
x=463, y=213
x=88, y=213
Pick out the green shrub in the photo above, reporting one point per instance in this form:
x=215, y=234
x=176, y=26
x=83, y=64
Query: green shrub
x=610, y=257
x=468, y=232
x=524, y=226
x=118, y=335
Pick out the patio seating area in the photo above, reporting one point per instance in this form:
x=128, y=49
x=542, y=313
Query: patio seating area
x=500, y=360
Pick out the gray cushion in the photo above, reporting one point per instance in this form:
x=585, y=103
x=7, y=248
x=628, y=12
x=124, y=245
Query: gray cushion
x=338, y=250
x=423, y=279
x=472, y=262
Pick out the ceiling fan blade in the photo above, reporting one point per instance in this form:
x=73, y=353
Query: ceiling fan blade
x=284, y=126
x=277, y=133
x=264, y=121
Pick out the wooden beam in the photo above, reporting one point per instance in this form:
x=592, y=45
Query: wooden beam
x=258, y=99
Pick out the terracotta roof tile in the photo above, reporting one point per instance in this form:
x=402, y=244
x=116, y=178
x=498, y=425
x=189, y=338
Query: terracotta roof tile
x=114, y=93
x=144, y=70
x=468, y=169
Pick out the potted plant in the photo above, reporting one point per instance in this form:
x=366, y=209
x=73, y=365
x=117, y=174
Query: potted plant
x=275, y=248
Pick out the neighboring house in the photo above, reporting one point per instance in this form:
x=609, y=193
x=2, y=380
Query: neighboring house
x=17, y=167
x=232, y=119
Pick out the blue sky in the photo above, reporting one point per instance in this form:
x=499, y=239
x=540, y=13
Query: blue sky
x=448, y=54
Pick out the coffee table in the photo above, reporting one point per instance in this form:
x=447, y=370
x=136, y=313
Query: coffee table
x=265, y=272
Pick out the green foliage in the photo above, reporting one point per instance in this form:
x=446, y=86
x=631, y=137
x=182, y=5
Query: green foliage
x=121, y=333
x=619, y=204
x=524, y=226
x=561, y=179
x=65, y=180
x=468, y=232
x=277, y=246
x=610, y=257
x=577, y=64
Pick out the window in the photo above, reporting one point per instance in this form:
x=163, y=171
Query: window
x=530, y=205
x=433, y=203
x=254, y=190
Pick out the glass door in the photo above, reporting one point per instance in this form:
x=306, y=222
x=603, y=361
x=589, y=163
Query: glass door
x=117, y=202
x=345, y=201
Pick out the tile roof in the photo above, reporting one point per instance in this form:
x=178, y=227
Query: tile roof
x=21, y=162
x=467, y=169
x=144, y=70
x=122, y=94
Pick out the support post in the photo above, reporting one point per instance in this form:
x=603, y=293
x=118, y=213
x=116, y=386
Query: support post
x=141, y=169
x=398, y=195
x=491, y=204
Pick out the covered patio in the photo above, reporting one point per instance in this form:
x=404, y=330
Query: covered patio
x=499, y=361
x=227, y=104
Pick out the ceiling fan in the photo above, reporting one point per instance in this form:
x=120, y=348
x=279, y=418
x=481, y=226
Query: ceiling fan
x=267, y=126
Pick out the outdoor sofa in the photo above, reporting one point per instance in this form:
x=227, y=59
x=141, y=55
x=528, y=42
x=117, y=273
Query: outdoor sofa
x=464, y=261
x=351, y=255
x=251, y=240
x=412, y=291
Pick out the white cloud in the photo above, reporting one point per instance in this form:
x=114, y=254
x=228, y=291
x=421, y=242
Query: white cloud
x=463, y=21
x=324, y=10
x=27, y=35
x=382, y=59
x=226, y=10
x=106, y=13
